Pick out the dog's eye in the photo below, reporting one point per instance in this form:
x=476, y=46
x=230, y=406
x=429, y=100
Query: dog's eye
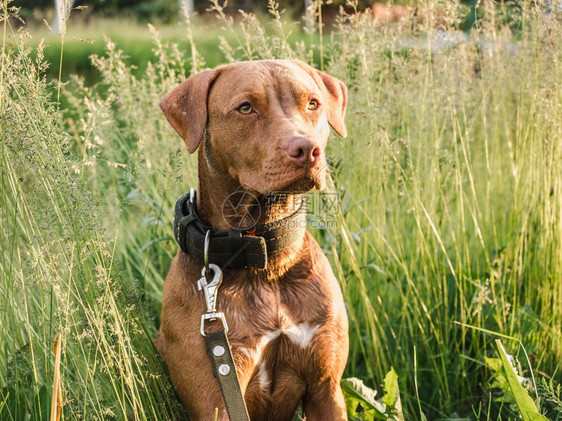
x=245, y=108
x=312, y=104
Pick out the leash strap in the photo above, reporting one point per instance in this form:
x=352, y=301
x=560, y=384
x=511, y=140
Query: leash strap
x=218, y=347
x=236, y=248
x=224, y=370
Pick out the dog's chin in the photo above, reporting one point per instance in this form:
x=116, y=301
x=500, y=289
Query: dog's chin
x=313, y=178
x=302, y=182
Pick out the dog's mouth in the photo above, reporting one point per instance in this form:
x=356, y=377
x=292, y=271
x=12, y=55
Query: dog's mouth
x=317, y=175
x=291, y=179
x=310, y=178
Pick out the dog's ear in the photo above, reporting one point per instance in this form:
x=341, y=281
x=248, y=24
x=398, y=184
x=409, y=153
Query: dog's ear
x=185, y=107
x=334, y=92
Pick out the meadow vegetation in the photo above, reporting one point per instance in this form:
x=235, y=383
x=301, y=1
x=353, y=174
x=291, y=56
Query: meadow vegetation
x=448, y=234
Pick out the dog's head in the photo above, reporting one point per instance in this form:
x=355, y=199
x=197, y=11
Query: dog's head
x=265, y=123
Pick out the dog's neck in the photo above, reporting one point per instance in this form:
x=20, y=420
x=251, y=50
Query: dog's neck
x=224, y=204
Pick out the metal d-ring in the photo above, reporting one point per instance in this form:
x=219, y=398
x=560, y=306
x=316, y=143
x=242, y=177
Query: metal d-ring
x=206, y=250
x=191, y=194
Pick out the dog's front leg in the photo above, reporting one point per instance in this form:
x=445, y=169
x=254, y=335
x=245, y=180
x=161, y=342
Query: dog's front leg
x=325, y=402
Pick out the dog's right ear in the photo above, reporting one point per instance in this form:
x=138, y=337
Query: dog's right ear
x=185, y=107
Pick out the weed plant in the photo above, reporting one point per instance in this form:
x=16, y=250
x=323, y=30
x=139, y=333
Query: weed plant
x=448, y=235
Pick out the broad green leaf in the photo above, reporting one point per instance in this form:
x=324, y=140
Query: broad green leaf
x=390, y=388
x=356, y=389
x=391, y=396
x=495, y=364
x=356, y=411
x=352, y=406
x=527, y=408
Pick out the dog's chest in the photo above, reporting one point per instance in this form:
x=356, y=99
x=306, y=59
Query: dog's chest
x=271, y=326
x=267, y=312
x=275, y=327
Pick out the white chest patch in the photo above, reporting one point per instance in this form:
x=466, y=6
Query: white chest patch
x=257, y=352
x=263, y=377
x=301, y=334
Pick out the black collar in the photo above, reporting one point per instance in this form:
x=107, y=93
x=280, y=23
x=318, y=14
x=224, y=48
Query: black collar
x=236, y=248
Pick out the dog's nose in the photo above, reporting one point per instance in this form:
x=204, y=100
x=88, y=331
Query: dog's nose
x=304, y=151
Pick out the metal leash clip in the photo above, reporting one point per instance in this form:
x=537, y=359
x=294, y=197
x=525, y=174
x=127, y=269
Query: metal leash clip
x=210, y=290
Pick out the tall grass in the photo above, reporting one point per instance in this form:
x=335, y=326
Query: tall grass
x=452, y=204
x=449, y=231
x=58, y=272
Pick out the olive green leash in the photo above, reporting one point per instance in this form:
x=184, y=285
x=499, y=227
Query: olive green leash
x=218, y=347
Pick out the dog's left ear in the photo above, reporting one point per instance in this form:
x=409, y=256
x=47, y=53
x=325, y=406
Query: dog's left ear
x=334, y=92
x=185, y=107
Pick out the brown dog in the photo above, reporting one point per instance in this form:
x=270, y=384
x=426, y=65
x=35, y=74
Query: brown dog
x=262, y=127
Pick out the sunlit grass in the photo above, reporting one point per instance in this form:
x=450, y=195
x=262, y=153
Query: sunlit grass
x=449, y=229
